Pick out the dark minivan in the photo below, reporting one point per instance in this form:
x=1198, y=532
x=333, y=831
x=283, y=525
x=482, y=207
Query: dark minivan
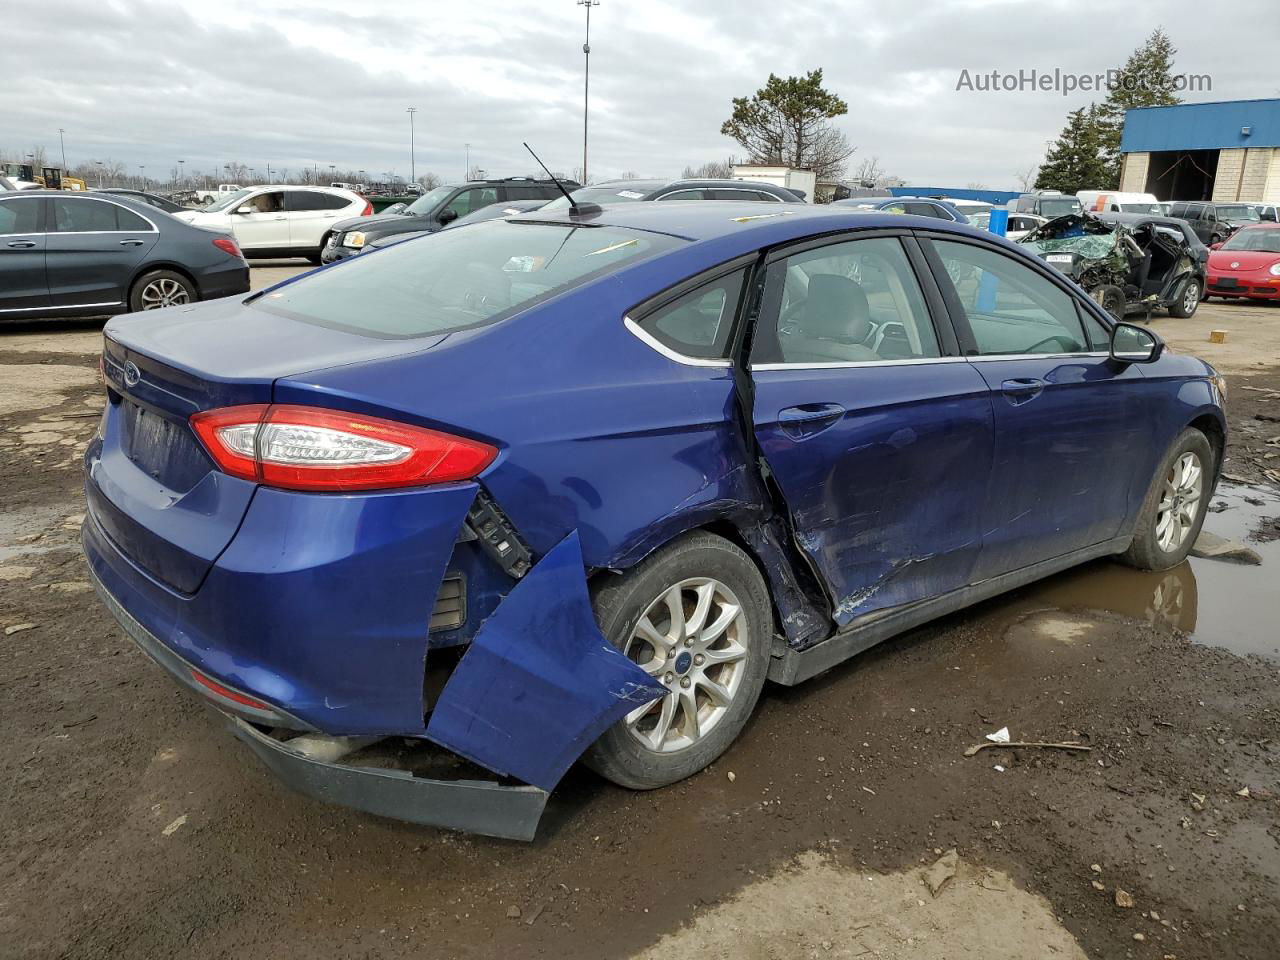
x=1214, y=222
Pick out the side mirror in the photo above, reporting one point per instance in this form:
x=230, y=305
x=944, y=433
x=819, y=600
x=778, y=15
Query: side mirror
x=448, y=216
x=245, y=210
x=1131, y=343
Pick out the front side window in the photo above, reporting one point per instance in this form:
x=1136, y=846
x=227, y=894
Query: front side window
x=264, y=203
x=462, y=278
x=76, y=215
x=470, y=200
x=1011, y=308
x=20, y=215
x=700, y=323
x=851, y=302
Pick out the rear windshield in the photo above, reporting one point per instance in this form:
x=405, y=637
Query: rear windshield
x=604, y=195
x=457, y=279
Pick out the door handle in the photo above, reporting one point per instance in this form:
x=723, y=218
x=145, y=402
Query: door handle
x=279, y=218
x=22, y=244
x=809, y=419
x=132, y=243
x=1022, y=389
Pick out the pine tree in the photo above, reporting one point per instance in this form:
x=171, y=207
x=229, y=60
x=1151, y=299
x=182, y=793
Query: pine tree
x=1145, y=80
x=1076, y=161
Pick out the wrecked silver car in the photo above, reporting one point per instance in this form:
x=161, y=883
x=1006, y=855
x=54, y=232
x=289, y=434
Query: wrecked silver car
x=1126, y=261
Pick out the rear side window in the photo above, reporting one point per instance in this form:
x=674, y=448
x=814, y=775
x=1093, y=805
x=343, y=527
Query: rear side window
x=461, y=278
x=1011, y=309
x=531, y=192
x=685, y=195
x=469, y=201
x=754, y=196
x=20, y=215
x=299, y=200
x=78, y=215
x=128, y=220
x=699, y=323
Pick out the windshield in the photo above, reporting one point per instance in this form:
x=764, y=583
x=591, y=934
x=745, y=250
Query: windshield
x=1140, y=208
x=428, y=201
x=460, y=278
x=612, y=193
x=1237, y=211
x=229, y=202
x=1261, y=240
x=1059, y=208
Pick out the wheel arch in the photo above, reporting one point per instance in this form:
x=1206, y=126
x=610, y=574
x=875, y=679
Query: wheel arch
x=169, y=265
x=1215, y=431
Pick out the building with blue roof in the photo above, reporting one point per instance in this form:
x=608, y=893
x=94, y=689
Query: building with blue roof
x=1224, y=151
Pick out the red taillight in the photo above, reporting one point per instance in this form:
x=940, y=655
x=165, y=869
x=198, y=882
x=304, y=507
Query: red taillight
x=227, y=245
x=368, y=209
x=313, y=448
x=226, y=693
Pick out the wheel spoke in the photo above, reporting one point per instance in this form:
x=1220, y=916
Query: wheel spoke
x=706, y=593
x=639, y=713
x=689, y=711
x=728, y=613
x=675, y=608
x=658, y=735
x=730, y=654
x=718, y=694
x=646, y=631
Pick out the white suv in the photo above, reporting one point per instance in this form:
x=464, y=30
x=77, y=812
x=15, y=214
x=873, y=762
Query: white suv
x=280, y=221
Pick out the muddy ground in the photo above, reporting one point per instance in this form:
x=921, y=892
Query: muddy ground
x=134, y=826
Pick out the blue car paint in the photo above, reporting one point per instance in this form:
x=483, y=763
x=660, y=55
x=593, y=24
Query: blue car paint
x=529, y=709
x=604, y=443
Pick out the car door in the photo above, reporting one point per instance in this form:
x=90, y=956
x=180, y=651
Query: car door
x=261, y=222
x=23, y=283
x=878, y=434
x=1067, y=418
x=94, y=248
x=468, y=201
x=312, y=214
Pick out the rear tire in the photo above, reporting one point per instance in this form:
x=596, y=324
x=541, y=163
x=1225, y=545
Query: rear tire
x=678, y=596
x=1188, y=299
x=1174, y=509
x=161, y=288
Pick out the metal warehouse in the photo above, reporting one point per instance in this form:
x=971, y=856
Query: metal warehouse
x=1222, y=151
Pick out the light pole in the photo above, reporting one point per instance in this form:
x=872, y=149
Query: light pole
x=100, y=165
x=466, y=174
x=268, y=171
x=413, y=169
x=586, y=82
x=332, y=167
x=182, y=173
x=142, y=174
x=62, y=143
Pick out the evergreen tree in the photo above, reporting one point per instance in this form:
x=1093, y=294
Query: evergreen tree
x=1076, y=161
x=1145, y=80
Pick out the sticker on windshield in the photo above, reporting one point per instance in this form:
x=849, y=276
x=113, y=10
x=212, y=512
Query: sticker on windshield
x=523, y=264
x=631, y=194
x=612, y=247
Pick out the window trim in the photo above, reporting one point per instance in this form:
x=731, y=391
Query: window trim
x=51, y=218
x=935, y=307
x=960, y=319
x=673, y=193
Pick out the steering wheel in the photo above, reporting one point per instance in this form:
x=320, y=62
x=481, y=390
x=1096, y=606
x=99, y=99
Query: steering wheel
x=1068, y=346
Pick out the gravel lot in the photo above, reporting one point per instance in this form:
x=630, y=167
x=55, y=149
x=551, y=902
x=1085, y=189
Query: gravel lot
x=136, y=827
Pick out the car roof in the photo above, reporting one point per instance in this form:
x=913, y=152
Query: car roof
x=710, y=219
x=1120, y=216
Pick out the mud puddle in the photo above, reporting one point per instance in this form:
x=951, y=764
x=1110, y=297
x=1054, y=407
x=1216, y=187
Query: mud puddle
x=1217, y=603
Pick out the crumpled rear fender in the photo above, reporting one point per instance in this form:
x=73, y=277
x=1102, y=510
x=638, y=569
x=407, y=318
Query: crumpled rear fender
x=539, y=682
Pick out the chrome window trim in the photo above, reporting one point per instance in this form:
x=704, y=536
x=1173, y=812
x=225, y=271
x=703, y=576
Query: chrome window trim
x=65, y=306
x=653, y=343
x=80, y=233
x=921, y=361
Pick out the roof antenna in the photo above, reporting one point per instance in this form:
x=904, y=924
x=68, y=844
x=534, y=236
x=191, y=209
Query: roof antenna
x=576, y=209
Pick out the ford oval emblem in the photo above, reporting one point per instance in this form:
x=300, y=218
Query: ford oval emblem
x=131, y=374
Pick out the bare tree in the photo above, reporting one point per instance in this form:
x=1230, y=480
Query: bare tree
x=711, y=170
x=975, y=185
x=429, y=181
x=628, y=175
x=1027, y=178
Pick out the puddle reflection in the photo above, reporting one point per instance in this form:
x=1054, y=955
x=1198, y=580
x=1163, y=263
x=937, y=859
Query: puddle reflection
x=1217, y=603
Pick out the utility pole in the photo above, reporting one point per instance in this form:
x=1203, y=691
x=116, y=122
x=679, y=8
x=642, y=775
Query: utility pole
x=182, y=174
x=586, y=82
x=142, y=174
x=62, y=143
x=466, y=174
x=413, y=169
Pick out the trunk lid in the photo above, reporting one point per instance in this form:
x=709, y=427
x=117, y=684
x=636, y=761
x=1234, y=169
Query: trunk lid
x=150, y=485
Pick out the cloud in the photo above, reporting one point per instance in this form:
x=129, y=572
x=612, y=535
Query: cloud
x=317, y=84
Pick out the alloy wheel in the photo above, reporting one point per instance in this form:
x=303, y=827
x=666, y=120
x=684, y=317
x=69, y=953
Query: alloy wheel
x=1179, y=502
x=1191, y=297
x=693, y=639
x=164, y=292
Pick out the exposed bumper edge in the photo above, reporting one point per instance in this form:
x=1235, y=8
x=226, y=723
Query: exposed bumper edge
x=474, y=806
x=178, y=668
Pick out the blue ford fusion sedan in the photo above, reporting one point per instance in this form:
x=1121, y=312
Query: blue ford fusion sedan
x=575, y=486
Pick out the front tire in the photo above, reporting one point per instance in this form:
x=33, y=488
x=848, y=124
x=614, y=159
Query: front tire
x=696, y=616
x=1174, y=509
x=1187, y=300
x=1110, y=298
x=161, y=288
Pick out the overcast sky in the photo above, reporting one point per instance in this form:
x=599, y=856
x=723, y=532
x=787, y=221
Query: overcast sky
x=324, y=82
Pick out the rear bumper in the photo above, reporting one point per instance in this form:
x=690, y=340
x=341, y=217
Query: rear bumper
x=476, y=806
x=226, y=282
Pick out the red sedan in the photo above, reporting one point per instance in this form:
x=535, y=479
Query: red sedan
x=1247, y=264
